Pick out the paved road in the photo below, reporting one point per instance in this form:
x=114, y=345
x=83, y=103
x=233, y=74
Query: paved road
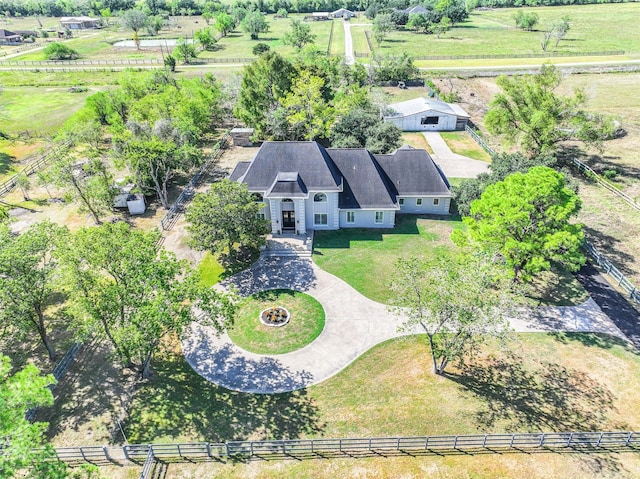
x=452, y=164
x=617, y=308
x=353, y=325
x=348, y=44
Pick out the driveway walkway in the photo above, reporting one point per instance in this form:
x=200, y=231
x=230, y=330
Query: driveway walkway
x=452, y=164
x=348, y=44
x=353, y=325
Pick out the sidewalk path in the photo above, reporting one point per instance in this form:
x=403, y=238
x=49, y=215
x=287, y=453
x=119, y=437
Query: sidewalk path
x=452, y=164
x=353, y=325
x=348, y=44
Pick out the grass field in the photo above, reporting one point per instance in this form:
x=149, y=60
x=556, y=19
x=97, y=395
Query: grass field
x=461, y=143
x=305, y=325
x=417, y=140
x=359, y=255
x=543, y=382
x=494, y=32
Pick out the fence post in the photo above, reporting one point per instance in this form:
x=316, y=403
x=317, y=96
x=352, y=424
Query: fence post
x=570, y=439
x=599, y=439
x=626, y=443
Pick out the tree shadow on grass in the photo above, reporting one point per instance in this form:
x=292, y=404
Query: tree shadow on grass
x=551, y=397
x=596, y=340
x=5, y=162
x=177, y=402
x=609, y=245
x=599, y=163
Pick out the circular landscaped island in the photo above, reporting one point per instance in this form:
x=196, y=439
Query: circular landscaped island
x=299, y=319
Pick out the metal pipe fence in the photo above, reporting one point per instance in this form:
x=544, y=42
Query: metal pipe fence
x=602, y=182
x=479, y=140
x=148, y=454
x=609, y=268
x=187, y=194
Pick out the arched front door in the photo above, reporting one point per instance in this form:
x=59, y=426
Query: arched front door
x=288, y=215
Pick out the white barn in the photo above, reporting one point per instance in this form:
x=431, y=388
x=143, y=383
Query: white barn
x=426, y=114
x=305, y=186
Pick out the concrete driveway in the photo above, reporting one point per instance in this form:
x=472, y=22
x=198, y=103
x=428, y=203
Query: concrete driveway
x=353, y=325
x=452, y=164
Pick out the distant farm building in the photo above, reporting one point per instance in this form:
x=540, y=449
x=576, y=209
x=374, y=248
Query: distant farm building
x=343, y=13
x=79, y=23
x=426, y=114
x=317, y=16
x=9, y=38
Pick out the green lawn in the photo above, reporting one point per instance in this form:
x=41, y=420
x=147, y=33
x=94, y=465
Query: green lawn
x=462, y=144
x=365, y=258
x=542, y=382
x=494, y=32
x=210, y=270
x=39, y=111
x=305, y=324
x=337, y=41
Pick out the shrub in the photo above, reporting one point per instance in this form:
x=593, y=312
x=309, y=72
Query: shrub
x=60, y=51
x=261, y=48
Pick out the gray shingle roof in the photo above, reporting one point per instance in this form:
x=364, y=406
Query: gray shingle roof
x=287, y=185
x=412, y=172
x=239, y=170
x=314, y=166
x=364, y=182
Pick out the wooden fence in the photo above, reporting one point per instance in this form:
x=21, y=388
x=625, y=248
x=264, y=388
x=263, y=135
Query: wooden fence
x=503, y=56
x=9, y=185
x=188, y=192
x=300, y=449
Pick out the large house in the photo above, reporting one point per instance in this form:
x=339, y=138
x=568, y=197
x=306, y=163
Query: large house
x=79, y=23
x=9, y=38
x=305, y=186
x=426, y=114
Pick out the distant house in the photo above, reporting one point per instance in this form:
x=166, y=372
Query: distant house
x=413, y=10
x=304, y=186
x=426, y=114
x=343, y=13
x=9, y=38
x=79, y=23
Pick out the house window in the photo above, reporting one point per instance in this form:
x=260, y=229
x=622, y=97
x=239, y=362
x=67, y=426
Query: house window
x=429, y=120
x=436, y=201
x=351, y=216
x=401, y=201
x=418, y=201
x=379, y=217
x=320, y=198
x=320, y=219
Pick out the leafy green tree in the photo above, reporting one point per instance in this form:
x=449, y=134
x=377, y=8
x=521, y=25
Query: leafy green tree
x=443, y=26
x=90, y=184
x=393, y=67
x=224, y=217
x=224, y=23
x=421, y=22
x=526, y=20
x=185, y=50
x=382, y=25
x=28, y=268
x=458, y=301
x=529, y=111
x=205, y=38
x=23, y=182
x=254, y=24
x=384, y=138
x=60, y=51
x=154, y=25
x=283, y=13
x=525, y=219
x=21, y=457
x=299, y=35
x=260, y=48
x=455, y=10
x=560, y=28
x=308, y=114
x=264, y=83
x=128, y=292
x=135, y=20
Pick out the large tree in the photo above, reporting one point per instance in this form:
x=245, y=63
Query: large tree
x=458, y=301
x=254, y=24
x=526, y=220
x=264, y=83
x=363, y=128
x=226, y=216
x=224, y=23
x=382, y=25
x=128, y=292
x=135, y=20
x=28, y=269
x=299, y=35
x=19, y=439
x=531, y=112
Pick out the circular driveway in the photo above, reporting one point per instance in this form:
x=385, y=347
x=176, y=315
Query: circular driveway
x=353, y=325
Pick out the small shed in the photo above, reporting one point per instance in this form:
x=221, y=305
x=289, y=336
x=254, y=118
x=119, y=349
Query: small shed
x=343, y=13
x=320, y=16
x=241, y=136
x=79, y=23
x=427, y=114
x=136, y=204
x=9, y=38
